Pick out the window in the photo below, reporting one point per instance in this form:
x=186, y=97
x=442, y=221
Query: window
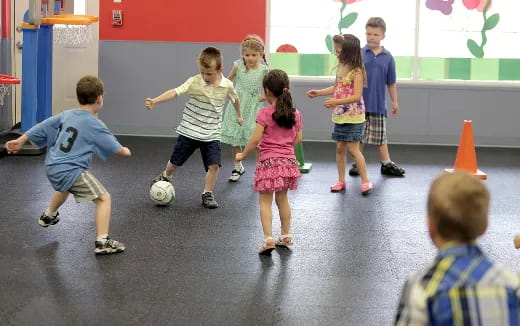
x=430, y=39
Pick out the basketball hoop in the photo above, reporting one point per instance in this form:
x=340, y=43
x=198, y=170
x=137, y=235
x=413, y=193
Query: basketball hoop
x=6, y=82
x=71, y=30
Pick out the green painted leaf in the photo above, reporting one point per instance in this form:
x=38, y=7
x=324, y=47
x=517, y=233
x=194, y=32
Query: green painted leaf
x=348, y=20
x=329, y=43
x=475, y=49
x=491, y=22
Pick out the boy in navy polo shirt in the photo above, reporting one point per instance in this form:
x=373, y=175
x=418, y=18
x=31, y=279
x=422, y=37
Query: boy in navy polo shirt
x=72, y=138
x=380, y=68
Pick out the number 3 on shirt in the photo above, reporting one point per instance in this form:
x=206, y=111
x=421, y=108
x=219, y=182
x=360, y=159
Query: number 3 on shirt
x=70, y=141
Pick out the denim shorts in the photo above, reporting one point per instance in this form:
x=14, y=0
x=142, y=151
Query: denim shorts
x=184, y=148
x=348, y=131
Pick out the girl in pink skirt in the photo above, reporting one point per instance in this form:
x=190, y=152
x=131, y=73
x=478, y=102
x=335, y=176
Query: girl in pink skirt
x=278, y=129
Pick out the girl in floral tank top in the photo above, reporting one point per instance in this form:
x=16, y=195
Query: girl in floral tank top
x=348, y=109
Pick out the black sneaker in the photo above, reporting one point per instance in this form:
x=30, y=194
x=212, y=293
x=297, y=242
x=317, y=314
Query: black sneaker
x=109, y=247
x=208, y=200
x=159, y=178
x=354, y=172
x=46, y=220
x=392, y=169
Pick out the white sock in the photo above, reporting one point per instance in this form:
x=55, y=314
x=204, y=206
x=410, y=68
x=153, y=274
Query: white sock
x=238, y=166
x=385, y=162
x=102, y=238
x=169, y=177
x=51, y=214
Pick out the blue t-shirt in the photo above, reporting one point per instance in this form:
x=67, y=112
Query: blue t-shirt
x=72, y=138
x=380, y=73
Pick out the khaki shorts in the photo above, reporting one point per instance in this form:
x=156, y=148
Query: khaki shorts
x=87, y=187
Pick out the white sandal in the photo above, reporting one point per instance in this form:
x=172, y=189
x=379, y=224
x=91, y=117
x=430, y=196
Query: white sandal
x=285, y=240
x=267, y=246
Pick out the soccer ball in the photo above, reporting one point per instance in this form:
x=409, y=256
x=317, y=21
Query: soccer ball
x=162, y=193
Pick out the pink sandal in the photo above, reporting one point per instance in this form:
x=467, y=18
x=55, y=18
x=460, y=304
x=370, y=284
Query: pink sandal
x=267, y=246
x=340, y=185
x=285, y=240
x=366, y=188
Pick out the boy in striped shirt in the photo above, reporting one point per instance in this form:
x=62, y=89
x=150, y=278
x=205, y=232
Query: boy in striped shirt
x=201, y=119
x=462, y=286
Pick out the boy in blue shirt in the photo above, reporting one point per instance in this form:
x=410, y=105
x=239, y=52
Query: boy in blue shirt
x=72, y=138
x=462, y=286
x=380, y=68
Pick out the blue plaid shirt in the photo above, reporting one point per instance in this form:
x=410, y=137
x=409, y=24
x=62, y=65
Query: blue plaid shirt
x=462, y=287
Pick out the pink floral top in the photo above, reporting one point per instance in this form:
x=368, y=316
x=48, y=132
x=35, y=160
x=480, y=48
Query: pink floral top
x=347, y=113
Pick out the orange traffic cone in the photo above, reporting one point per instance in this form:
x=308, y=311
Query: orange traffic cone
x=466, y=157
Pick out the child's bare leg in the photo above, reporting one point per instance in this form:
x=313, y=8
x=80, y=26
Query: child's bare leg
x=57, y=200
x=211, y=177
x=353, y=149
x=284, y=209
x=103, y=210
x=170, y=169
x=266, y=214
x=234, y=151
x=384, y=155
x=341, y=159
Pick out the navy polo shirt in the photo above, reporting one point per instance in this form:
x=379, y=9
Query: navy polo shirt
x=380, y=73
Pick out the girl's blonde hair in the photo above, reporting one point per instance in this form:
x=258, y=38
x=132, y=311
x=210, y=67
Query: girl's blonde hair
x=255, y=43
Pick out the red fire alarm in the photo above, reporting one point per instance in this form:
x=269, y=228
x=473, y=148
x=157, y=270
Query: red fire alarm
x=117, y=17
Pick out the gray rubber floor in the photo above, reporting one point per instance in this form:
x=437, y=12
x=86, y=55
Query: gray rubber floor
x=187, y=265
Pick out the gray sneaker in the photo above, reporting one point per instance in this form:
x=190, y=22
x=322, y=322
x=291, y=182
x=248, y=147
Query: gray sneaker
x=109, y=247
x=46, y=220
x=208, y=200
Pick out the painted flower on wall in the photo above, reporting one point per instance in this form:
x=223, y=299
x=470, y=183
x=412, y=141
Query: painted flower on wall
x=343, y=23
x=446, y=7
x=476, y=4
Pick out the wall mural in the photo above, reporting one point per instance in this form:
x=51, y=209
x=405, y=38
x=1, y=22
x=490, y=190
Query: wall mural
x=344, y=22
x=446, y=7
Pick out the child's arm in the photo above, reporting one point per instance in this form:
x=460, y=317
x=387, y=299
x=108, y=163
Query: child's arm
x=124, y=151
x=236, y=104
x=356, y=97
x=14, y=146
x=298, y=138
x=321, y=92
x=392, y=90
x=169, y=95
x=233, y=72
x=252, y=143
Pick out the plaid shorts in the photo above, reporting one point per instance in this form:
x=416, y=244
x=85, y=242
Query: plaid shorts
x=375, y=129
x=87, y=187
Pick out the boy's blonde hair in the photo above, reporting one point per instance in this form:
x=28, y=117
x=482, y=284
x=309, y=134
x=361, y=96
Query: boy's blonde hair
x=88, y=89
x=210, y=56
x=376, y=22
x=459, y=203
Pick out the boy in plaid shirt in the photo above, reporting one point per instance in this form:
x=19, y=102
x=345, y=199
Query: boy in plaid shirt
x=463, y=286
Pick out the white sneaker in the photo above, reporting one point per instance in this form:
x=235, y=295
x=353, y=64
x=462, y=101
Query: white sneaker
x=235, y=175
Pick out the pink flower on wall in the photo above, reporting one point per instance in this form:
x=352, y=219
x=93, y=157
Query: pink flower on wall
x=445, y=6
x=476, y=4
x=348, y=1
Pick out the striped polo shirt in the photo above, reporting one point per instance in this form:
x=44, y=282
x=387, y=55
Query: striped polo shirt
x=202, y=116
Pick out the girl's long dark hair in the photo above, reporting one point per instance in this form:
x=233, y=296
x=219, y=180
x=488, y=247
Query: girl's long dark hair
x=350, y=54
x=277, y=82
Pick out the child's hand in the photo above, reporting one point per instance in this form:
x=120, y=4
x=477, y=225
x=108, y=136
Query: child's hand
x=395, y=109
x=239, y=157
x=261, y=98
x=331, y=102
x=149, y=103
x=240, y=120
x=13, y=146
x=312, y=93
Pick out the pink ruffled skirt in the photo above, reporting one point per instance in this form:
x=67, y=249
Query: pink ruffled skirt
x=276, y=174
